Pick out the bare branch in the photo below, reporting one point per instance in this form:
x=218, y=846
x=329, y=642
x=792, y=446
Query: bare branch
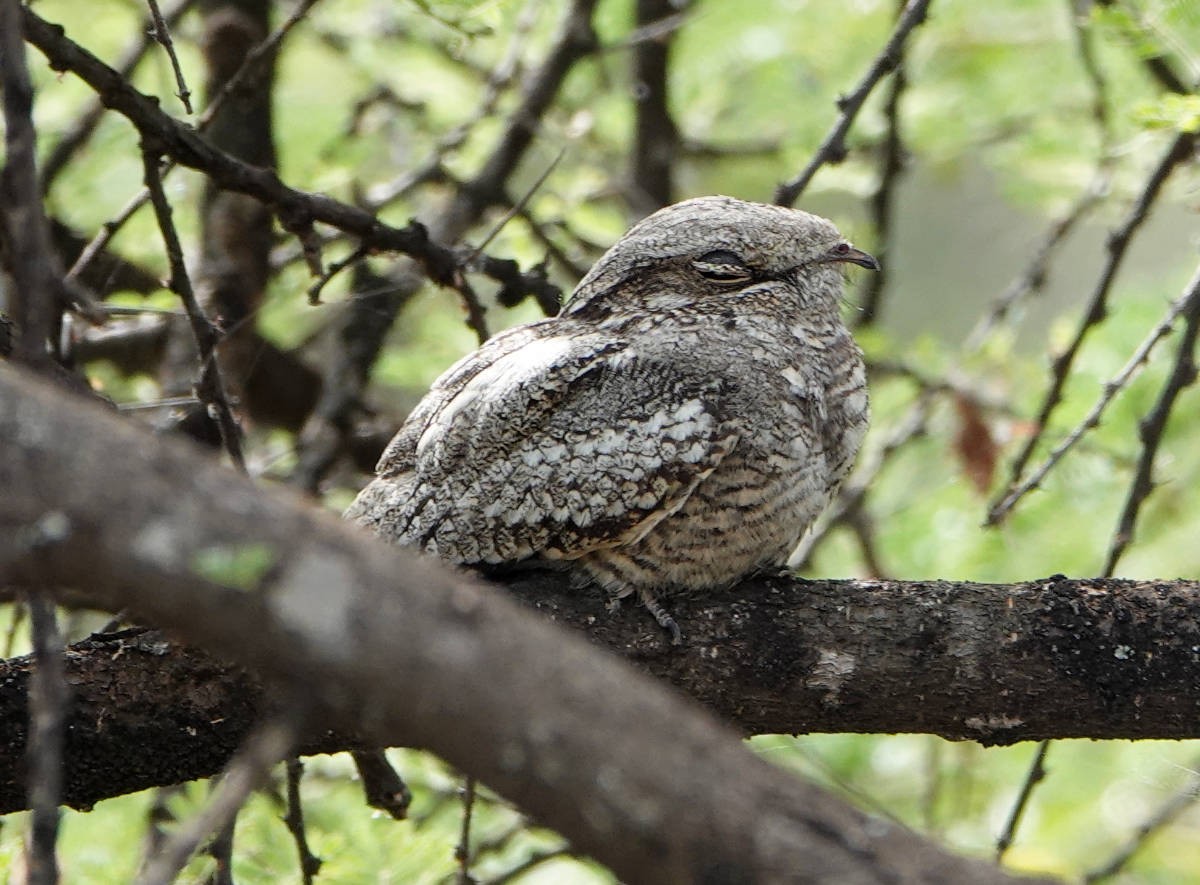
x=1184, y=305
x=248, y=770
x=833, y=148
x=462, y=851
x=24, y=232
x=383, y=788
x=255, y=57
x=47, y=705
x=1150, y=430
x=1033, y=276
x=1157, y=64
x=393, y=645
x=892, y=163
x=1036, y=774
x=162, y=36
x=1103, y=659
x=75, y=136
x=296, y=210
x=1181, y=801
x=210, y=389
x=310, y=864
x=1097, y=309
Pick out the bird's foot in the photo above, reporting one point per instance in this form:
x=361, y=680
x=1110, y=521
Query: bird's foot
x=662, y=616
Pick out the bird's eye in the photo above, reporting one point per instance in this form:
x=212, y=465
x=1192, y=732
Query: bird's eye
x=841, y=249
x=723, y=267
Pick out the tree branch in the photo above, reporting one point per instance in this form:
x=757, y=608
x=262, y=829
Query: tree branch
x=994, y=663
x=833, y=147
x=409, y=653
x=297, y=210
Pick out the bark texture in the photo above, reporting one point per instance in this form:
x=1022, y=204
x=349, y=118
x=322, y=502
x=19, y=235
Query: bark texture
x=409, y=653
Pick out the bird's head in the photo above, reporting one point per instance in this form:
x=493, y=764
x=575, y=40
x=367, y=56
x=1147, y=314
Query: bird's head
x=712, y=248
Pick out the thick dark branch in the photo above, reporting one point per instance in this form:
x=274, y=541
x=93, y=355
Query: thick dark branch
x=24, y=233
x=656, y=139
x=409, y=653
x=994, y=663
x=997, y=663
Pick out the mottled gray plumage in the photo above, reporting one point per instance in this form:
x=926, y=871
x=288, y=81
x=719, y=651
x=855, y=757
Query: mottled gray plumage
x=678, y=425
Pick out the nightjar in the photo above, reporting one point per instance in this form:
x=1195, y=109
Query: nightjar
x=680, y=424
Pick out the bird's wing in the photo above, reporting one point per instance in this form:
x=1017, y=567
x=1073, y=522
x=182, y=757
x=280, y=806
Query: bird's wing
x=546, y=444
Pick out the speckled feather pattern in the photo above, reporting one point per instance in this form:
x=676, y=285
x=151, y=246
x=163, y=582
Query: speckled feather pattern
x=670, y=429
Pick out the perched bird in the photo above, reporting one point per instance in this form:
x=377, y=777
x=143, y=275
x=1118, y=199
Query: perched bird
x=678, y=425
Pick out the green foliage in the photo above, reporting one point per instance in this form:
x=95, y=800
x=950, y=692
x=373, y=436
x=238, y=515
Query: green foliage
x=242, y=567
x=1178, y=112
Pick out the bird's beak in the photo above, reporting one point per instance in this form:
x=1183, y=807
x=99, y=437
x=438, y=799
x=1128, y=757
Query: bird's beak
x=844, y=252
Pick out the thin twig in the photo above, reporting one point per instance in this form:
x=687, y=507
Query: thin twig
x=1150, y=429
x=248, y=769
x=158, y=818
x=1155, y=63
x=476, y=313
x=162, y=36
x=47, y=705
x=499, y=79
x=220, y=848
x=516, y=208
x=833, y=148
x=1037, y=771
x=170, y=402
x=534, y=860
x=1096, y=312
x=1033, y=277
x=110, y=228
x=104, y=236
x=310, y=864
x=75, y=136
x=462, y=852
x=1132, y=368
x=314, y=291
x=1081, y=28
x=299, y=211
x=553, y=249
x=455, y=25
x=891, y=167
x=209, y=387
x=1031, y=280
